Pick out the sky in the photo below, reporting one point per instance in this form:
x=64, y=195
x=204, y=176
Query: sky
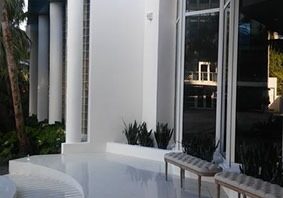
x=23, y=25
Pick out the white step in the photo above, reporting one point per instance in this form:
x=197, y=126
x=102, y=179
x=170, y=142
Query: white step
x=39, y=187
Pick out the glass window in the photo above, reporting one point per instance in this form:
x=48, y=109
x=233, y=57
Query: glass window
x=258, y=118
x=194, y=5
x=200, y=81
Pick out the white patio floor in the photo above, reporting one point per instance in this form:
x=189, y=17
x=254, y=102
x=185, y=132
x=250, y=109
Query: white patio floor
x=105, y=175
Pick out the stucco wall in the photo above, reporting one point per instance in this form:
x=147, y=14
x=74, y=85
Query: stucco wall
x=116, y=68
x=132, y=71
x=150, y=66
x=166, y=62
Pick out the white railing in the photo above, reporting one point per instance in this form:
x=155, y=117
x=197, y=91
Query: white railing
x=202, y=76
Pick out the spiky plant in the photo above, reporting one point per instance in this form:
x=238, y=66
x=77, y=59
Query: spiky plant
x=163, y=135
x=201, y=145
x=262, y=160
x=131, y=132
x=144, y=136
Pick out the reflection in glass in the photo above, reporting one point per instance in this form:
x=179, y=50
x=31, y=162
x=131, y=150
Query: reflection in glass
x=200, y=76
x=193, y=5
x=258, y=121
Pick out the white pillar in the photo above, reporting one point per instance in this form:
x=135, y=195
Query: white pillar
x=56, y=62
x=74, y=70
x=43, y=50
x=33, y=70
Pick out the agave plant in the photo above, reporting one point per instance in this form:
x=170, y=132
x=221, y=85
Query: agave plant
x=131, y=132
x=163, y=135
x=144, y=136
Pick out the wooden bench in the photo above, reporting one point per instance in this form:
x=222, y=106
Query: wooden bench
x=193, y=164
x=247, y=186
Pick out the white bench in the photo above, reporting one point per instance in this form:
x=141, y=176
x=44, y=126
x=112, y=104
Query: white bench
x=193, y=164
x=247, y=186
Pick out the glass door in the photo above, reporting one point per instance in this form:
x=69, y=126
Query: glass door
x=227, y=77
x=199, y=79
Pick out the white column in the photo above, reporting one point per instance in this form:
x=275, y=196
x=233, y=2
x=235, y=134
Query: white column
x=33, y=70
x=43, y=50
x=74, y=71
x=56, y=62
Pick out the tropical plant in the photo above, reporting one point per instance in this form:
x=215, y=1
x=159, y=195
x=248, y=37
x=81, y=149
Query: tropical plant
x=44, y=139
x=131, y=132
x=14, y=47
x=276, y=66
x=9, y=148
x=262, y=161
x=201, y=145
x=163, y=135
x=144, y=136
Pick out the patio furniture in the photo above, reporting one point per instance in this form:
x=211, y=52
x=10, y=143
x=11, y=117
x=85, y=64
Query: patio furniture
x=190, y=163
x=247, y=186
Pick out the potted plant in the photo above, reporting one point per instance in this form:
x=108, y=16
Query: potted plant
x=144, y=136
x=163, y=135
x=131, y=132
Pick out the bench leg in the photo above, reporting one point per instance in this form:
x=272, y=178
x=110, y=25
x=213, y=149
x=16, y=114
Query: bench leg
x=239, y=195
x=166, y=170
x=182, y=176
x=199, y=186
x=218, y=191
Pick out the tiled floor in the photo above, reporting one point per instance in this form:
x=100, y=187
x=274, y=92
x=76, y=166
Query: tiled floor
x=115, y=176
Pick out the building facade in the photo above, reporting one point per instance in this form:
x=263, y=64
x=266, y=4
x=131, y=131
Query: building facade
x=203, y=67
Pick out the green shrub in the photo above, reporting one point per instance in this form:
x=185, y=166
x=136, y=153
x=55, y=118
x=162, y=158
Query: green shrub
x=32, y=121
x=276, y=66
x=144, y=136
x=131, y=132
x=44, y=139
x=9, y=148
x=262, y=160
x=201, y=145
x=163, y=135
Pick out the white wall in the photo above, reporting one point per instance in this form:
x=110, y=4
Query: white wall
x=132, y=69
x=150, y=67
x=166, y=62
x=116, y=68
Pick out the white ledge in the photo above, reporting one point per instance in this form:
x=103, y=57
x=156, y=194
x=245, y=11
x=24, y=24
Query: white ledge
x=137, y=151
x=7, y=187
